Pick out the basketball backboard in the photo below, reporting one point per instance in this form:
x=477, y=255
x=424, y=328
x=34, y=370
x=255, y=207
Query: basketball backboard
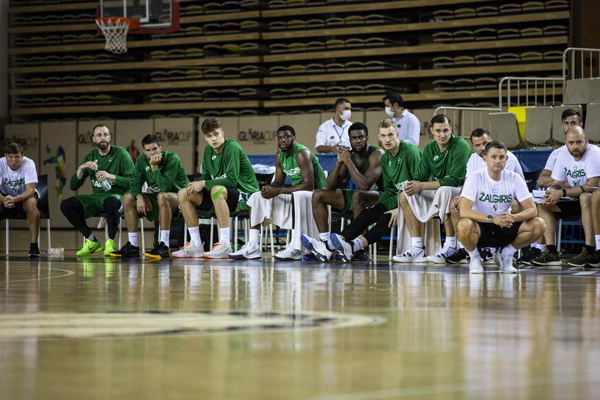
x=155, y=16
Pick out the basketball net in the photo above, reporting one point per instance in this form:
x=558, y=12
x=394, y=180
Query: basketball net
x=115, y=30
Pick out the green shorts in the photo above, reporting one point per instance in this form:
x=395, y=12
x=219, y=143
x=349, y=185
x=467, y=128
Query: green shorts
x=153, y=215
x=93, y=204
x=390, y=202
x=348, y=203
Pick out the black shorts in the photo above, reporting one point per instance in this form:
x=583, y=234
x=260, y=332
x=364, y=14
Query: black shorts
x=493, y=235
x=16, y=212
x=568, y=208
x=233, y=197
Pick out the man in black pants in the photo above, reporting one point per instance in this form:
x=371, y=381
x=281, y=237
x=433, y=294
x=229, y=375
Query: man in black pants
x=110, y=169
x=397, y=163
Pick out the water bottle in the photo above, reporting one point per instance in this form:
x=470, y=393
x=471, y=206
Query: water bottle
x=106, y=184
x=55, y=251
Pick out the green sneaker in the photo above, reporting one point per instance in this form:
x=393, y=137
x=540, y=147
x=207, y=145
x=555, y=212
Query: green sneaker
x=89, y=247
x=548, y=260
x=109, y=247
x=579, y=260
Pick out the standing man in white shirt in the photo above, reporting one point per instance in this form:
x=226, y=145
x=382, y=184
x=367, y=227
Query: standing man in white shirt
x=486, y=219
x=407, y=123
x=18, y=177
x=333, y=133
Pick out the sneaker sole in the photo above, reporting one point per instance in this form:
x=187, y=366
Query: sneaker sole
x=155, y=256
x=410, y=260
x=436, y=260
x=476, y=271
x=287, y=259
x=338, y=245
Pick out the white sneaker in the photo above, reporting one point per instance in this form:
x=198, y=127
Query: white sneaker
x=476, y=265
x=288, y=254
x=317, y=247
x=247, y=252
x=219, y=250
x=344, y=248
x=440, y=256
x=189, y=251
x=505, y=263
x=414, y=254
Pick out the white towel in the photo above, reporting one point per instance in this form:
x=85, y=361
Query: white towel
x=288, y=211
x=425, y=206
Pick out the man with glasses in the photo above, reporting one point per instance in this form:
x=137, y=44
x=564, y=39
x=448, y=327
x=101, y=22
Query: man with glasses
x=110, y=169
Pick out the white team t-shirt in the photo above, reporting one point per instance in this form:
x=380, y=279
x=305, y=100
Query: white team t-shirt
x=495, y=197
x=578, y=172
x=331, y=134
x=13, y=182
x=552, y=157
x=476, y=163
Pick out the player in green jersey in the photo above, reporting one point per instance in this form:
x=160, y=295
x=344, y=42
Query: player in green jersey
x=362, y=164
x=226, y=182
x=165, y=175
x=110, y=169
x=397, y=165
x=437, y=181
x=276, y=203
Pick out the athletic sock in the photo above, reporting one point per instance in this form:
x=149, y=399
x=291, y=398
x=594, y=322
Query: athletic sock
x=133, y=238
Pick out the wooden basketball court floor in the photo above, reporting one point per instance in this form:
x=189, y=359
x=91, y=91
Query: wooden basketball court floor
x=95, y=328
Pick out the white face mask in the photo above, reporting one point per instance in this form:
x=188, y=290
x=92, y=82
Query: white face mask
x=389, y=111
x=346, y=115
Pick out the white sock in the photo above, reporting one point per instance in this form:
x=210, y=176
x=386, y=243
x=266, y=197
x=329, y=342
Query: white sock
x=254, y=238
x=324, y=236
x=597, y=239
x=416, y=241
x=357, y=244
x=133, y=238
x=451, y=241
x=509, y=249
x=195, y=236
x=474, y=253
x=165, y=235
x=460, y=245
x=224, y=236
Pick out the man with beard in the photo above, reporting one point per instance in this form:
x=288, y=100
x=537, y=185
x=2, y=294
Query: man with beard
x=226, y=182
x=575, y=174
x=486, y=219
x=110, y=169
x=164, y=173
x=436, y=183
x=282, y=204
x=362, y=164
x=397, y=164
x=18, y=177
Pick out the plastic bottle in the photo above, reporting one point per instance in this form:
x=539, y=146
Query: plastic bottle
x=55, y=251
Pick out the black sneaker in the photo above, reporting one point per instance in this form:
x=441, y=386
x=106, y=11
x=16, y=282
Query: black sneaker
x=160, y=250
x=460, y=256
x=34, y=250
x=530, y=254
x=127, y=251
x=594, y=261
x=486, y=254
x=361, y=255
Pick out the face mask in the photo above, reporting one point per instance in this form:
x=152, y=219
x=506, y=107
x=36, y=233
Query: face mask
x=346, y=115
x=389, y=112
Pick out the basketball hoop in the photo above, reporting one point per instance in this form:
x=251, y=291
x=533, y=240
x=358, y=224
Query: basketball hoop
x=115, y=30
